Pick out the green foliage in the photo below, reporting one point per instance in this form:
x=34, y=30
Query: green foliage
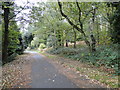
x=42, y=46
x=63, y=51
x=104, y=37
x=78, y=69
x=14, y=44
x=51, y=41
x=13, y=39
x=114, y=20
x=106, y=56
x=116, y=27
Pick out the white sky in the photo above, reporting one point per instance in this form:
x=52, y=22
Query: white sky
x=34, y=1
x=22, y=2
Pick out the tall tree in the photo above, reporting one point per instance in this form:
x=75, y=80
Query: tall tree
x=9, y=23
x=115, y=34
x=6, y=8
x=80, y=27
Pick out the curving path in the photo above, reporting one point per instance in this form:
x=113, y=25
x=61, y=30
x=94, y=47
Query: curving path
x=45, y=75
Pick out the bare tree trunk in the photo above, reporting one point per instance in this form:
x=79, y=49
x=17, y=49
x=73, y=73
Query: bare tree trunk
x=59, y=40
x=6, y=32
x=62, y=40
x=93, y=41
x=74, y=38
x=66, y=43
x=98, y=34
x=58, y=35
x=55, y=44
x=62, y=43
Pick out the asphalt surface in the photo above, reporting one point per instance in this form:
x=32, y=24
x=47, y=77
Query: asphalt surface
x=45, y=75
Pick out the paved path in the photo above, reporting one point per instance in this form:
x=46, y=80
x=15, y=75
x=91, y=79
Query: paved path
x=45, y=75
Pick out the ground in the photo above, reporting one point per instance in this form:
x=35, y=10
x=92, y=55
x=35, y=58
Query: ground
x=16, y=74
x=34, y=70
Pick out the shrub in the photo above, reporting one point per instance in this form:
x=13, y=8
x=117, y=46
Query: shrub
x=106, y=56
x=42, y=46
x=64, y=51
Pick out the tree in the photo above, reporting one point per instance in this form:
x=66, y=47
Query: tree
x=115, y=33
x=57, y=20
x=11, y=34
x=6, y=8
x=80, y=27
x=13, y=38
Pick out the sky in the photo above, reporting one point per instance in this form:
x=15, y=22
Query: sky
x=22, y=2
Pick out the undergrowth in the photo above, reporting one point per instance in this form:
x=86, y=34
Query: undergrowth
x=10, y=58
x=105, y=56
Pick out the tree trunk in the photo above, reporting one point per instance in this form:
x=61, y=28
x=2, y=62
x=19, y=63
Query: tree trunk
x=93, y=43
x=75, y=26
x=66, y=43
x=58, y=35
x=74, y=39
x=98, y=34
x=59, y=40
x=6, y=32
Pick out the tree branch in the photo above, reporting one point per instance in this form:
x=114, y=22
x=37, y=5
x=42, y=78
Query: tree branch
x=88, y=14
x=18, y=12
x=70, y=22
x=81, y=25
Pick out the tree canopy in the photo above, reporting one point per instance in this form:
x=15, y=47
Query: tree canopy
x=65, y=27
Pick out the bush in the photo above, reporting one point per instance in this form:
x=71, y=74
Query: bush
x=64, y=51
x=106, y=56
x=42, y=46
x=10, y=58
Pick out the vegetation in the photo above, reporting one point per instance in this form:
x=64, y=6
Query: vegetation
x=106, y=56
x=85, y=31
x=73, y=30
x=89, y=71
x=11, y=36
